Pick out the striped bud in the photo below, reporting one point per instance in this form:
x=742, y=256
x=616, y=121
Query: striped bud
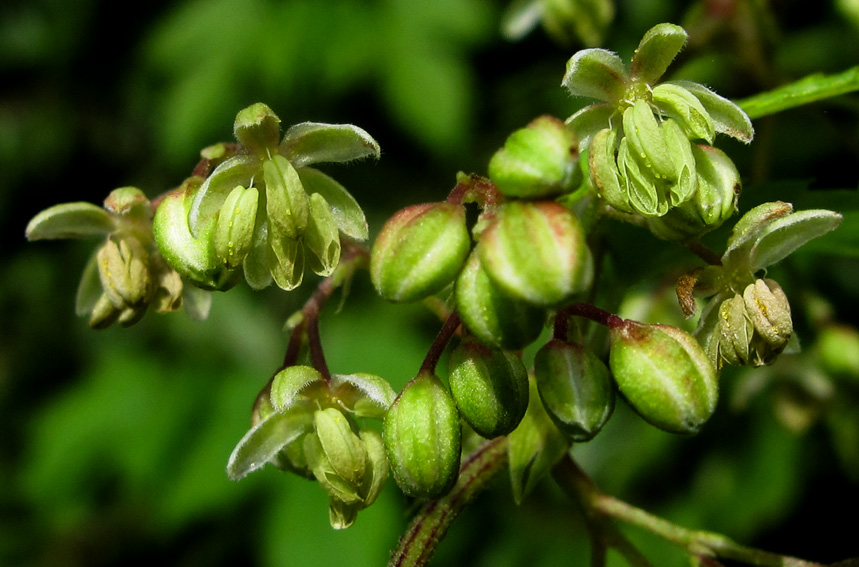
x=536, y=252
x=490, y=388
x=419, y=251
x=536, y=161
x=491, y=315
x=423, y=438
x=664, y=374
x=576, y=388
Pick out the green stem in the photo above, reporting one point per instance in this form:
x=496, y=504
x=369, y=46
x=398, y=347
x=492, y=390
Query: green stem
x=429, y=527
x=695, y=541
x=600, y=509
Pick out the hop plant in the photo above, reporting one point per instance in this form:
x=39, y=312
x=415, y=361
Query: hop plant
x=642, y=140
x=264, y=208
x=126, y=274
x=747, y=320
x=311, y=426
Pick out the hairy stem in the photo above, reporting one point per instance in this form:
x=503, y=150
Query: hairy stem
x=600, y=509
x=429, y=527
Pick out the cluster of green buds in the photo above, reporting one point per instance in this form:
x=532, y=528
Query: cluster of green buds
x=127, y=274
x=748, y=319
x=648, y=143
x=314, y=427
x=262, y=209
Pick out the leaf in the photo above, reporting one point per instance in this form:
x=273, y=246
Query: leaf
x=265, y=440
x=658, y=48
x=751, y=223
x=312, y=142
x=784, y=235
x=70, y=220
x=728, y=118
x=804, y=91
x=596, y=73
x=346, y=210
x=207, y=200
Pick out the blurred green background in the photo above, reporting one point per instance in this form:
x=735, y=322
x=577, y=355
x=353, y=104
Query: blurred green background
x=114, y=443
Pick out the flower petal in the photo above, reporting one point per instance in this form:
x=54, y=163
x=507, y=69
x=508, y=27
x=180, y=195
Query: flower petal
x=314, y=142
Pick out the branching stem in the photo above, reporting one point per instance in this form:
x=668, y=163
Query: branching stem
x=432, y=521
x=440, y=343
x=600, y=509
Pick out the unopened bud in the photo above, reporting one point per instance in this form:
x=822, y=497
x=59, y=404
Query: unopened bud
x=576, y=388
x=423, y=438
x=419, y=251
x=664, y=374
x=536, y=252
x=536, y=161
x=490, y=388
x=491, y=315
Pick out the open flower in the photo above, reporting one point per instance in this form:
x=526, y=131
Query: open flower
x=265, y=209
x=127, y=273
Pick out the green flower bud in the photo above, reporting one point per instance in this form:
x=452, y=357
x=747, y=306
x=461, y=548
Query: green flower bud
x=257, y=128
x=536, y=161
x=664, y=374
x=419, y=251
x=769, y=311
x=234, y=227
x=536, y=252
x=322, y=237
x=491, y=315
x=423, y=438
x=711, y=205
x=576, y=388
x=490, y=388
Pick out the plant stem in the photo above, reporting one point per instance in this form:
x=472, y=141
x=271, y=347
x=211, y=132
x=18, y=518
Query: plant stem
x=600, y=508
x=593, y=313
x=429, y=527
x=440, y=343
